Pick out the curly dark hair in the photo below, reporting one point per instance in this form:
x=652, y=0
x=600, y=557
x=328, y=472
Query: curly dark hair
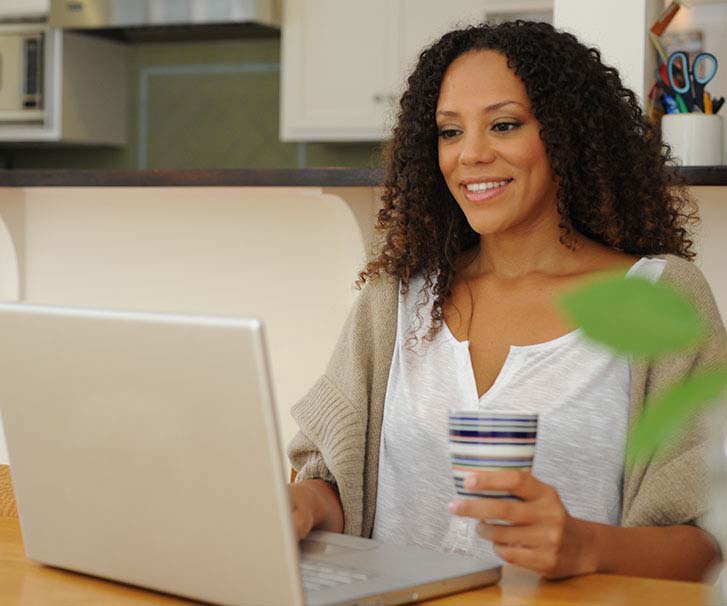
x=614, y=184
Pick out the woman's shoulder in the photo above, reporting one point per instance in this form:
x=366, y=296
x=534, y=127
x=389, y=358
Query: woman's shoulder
x=375, y=303
x=685, y=275
x=387, y=290
x=383, y=300
x=378, y=290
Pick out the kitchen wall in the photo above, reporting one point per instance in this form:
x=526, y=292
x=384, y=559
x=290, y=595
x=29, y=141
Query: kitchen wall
x=711, y=244
x=208, y=250
x=201, y=105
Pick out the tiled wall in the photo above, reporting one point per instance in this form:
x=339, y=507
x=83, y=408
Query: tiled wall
x=202, y=105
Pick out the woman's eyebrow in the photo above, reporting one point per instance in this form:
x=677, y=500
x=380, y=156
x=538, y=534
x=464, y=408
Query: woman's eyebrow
x=490, y=108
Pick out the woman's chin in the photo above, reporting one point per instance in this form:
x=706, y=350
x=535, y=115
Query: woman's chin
x=489, y=228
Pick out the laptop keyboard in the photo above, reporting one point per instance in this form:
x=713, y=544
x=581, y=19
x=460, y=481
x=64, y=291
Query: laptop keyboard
x=317, y=575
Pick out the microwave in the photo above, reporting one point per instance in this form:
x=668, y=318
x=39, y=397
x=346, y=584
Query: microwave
x=22, y=76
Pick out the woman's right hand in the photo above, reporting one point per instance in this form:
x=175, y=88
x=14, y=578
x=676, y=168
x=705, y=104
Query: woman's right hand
x=303, y=501
x=315, y=504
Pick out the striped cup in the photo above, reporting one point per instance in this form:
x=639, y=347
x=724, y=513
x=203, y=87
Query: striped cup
x=490, y=441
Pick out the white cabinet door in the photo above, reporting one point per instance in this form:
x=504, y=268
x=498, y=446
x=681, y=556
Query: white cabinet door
x=422, y=23
x=23, y=8
x=345, y=62
x=337, y=65
x=11, y=72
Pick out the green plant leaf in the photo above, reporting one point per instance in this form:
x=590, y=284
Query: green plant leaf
x=668, y=412
x=634, y=316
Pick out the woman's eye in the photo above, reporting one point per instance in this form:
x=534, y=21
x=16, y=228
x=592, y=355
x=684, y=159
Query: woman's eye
x=448, y=133
x=504, y=127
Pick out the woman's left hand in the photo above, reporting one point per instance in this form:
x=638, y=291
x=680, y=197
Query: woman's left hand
x=542, y=536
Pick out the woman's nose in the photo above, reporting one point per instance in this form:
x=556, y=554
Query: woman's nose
x=476, y=149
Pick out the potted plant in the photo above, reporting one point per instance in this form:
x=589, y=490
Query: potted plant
x=645, y=320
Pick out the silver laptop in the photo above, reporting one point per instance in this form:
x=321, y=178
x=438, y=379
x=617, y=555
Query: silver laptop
x=144, y=449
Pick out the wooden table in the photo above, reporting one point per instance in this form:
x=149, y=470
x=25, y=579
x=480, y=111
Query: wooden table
x=25, y=583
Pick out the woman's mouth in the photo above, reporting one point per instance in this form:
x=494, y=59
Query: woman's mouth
x=484, y=190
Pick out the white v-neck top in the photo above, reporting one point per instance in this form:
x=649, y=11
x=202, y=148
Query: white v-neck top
x=579, y=389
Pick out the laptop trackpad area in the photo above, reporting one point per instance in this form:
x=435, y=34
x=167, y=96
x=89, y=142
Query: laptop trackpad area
x=344, y=569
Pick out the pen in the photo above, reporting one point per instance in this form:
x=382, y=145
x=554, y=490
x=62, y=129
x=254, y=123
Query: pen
x=707, y=103
x=663, y=79
x=670, y=105
x=680, y=104
x=717, y=105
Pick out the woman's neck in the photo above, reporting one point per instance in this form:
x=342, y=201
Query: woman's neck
x=523, y=250
x=514, y=258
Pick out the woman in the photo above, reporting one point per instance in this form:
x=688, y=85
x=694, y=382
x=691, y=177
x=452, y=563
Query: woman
x=520, y=167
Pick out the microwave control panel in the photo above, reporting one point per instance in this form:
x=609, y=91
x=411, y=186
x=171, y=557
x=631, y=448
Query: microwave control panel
x=21, y=76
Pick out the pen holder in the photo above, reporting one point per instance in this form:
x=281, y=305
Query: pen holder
x=695, y=139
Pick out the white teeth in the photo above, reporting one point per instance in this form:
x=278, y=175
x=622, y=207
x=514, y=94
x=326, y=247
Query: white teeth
x=486, y=185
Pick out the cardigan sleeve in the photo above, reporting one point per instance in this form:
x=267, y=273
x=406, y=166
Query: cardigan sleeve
x=330, y=446
x=673, y=486
x=333, y=416
x=308, y=461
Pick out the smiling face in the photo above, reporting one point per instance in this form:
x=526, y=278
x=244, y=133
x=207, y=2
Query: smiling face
x=490, y=151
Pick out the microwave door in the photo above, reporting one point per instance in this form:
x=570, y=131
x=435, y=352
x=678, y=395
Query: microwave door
x=11, y=73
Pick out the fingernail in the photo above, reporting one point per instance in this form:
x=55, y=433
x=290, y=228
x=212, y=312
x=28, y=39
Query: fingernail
x=470, y=482
x=453, y=507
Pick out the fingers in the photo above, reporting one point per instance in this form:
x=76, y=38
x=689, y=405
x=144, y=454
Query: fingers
x=302, y=524
x=515, y=512
x=302, y=514
x=523, y=536
x=526, y=546
x=536, y=533
x=522, y=485
x=518, y=483
x=539, y=506
x=533, y=559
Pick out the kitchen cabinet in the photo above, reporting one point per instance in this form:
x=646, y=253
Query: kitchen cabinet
x=345, y=62
x=337, y=73
x=24, y=9
x=84, y=89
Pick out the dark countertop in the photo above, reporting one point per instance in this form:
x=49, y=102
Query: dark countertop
x=309, y=177
x=704, y=175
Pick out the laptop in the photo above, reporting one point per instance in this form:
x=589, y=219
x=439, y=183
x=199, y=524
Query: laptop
x=144, y=449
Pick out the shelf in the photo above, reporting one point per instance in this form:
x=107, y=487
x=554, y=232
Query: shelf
x=704, y=175
x=311, y=177
x=183, y=33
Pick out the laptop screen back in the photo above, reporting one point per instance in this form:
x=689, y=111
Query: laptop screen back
x=143, y=448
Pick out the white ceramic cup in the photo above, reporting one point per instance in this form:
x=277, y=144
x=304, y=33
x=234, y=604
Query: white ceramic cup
x=695, y=139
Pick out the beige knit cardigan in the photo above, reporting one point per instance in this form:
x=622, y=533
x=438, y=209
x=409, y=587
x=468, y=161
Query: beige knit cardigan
x=340, y=417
